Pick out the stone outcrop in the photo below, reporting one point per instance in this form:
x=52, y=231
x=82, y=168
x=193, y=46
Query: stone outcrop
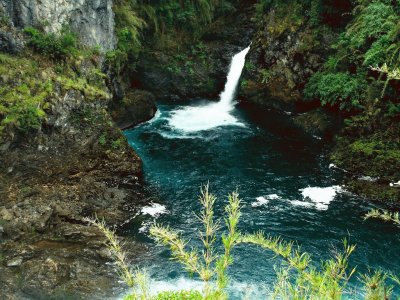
x=281, y=60
x=199, y=70
x=92, y=20
x=136, y=107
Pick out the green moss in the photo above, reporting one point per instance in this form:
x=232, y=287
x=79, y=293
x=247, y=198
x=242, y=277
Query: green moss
x=23, y=96
x=103, y=139
x=116, y=144
x=28, y=83
x=366, y=147
x=91, y=92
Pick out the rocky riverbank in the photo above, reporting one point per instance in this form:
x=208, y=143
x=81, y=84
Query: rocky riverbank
x=62, y=158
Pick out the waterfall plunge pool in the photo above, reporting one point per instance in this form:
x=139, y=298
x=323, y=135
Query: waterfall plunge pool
x=283, y=179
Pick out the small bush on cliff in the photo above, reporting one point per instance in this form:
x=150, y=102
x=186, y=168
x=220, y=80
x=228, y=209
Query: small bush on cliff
x=57, y=46
x=22, y=96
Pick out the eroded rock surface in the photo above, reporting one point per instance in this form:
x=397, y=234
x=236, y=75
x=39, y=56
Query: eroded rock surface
x=92, y=20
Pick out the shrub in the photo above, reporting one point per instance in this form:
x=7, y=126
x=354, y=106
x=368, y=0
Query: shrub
x=337, y=89
x=210, y=266
x=56, y=46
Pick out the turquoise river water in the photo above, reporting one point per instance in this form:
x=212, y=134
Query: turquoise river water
x=285, y=181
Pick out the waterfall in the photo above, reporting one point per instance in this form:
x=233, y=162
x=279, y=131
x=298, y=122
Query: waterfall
x=232, y=80
x=189, y=119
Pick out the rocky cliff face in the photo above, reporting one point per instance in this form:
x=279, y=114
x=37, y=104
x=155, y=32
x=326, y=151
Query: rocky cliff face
x=286, y=50
x=93, y=20
x=199, y=69
x=284, y=54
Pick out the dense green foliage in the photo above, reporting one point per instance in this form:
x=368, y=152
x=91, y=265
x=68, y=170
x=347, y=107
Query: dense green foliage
x=342, y=89
x=370, y=39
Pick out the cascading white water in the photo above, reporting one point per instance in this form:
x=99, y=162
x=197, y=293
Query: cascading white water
x=198, y=118
x=232, y=80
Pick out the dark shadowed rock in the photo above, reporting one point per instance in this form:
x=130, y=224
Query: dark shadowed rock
x=137, y=106
x=9, y=44
x=197, y=71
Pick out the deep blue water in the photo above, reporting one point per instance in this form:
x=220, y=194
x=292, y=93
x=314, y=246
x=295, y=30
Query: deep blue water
x=264, y=158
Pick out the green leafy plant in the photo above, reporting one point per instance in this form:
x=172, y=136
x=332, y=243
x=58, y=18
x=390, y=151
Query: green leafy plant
x=137, y=281
x=342, y=89
x=298, y=277
x=208, y=265
x=384, y=215
x=301, y=279
x=265, y=76
x=103, y=139
x=57, y=46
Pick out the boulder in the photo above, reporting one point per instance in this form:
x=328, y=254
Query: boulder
x=137, y=106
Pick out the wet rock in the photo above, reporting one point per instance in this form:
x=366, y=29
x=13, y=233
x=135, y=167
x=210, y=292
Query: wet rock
x=281, y=60
x=317, y=123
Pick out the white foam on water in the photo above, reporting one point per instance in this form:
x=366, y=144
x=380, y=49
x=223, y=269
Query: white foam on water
x=155, y=118
x=240, y=289
x=301, y=203
x=317, y=137
x=264, y=200
x=180, y=284
x=321, y=196
x=154, y=210
x=145, y=227
x=205, y=117
x=368, y=178
x=200, y=118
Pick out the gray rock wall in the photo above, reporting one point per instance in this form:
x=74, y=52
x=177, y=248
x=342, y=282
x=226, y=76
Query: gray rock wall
x=92, y=20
